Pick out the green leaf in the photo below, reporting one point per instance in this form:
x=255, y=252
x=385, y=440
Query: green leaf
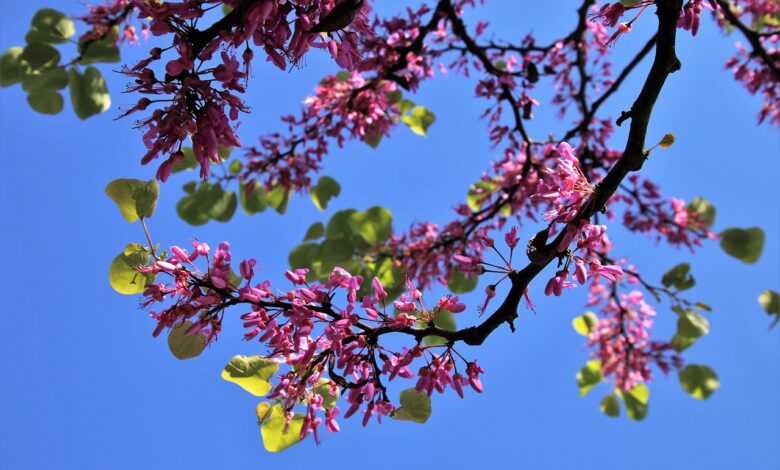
x=303, y=255
x=184, y=346
x=278, y=199
x=12, y=66
x=207, y=202
x=46, y=102
x=187, y=163
x=610, y=406
x=88, y=92
x=636, y=401
x=252, y=373
x=277, y=434
x=335, y=252
x=314, y=232
x=50, y=26
x=704, y=212
x=103, y=50
x=443, y=320
x=415, y=406
x=743, y=244
x=329, y=392
x=691, y=326
x=478, y=193
x=679, y=277
x=123, y=275
x=770, y=302
x=589, y=376
x=585, y=324
x=40, y=56
x=45, y=80
x=459, y=283
x=252, y=196
x=235, y=167
x=326, y=189
x=373, y=225
x=699, y=381
x=419, y=120
x=225, y=207
x=339, y=225
x=121, y=191
x=129, y=193
x=145, y=198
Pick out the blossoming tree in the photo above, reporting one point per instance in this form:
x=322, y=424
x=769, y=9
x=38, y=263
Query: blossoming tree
x=540, y=213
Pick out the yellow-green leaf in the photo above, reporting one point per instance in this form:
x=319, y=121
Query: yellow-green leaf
x=184, y=346
x=252, y=373
x=585, y=324
x=589, y=376
x=636, y=401
x=326, y=189
x=277, y=434
x=699, y=381
x=415, y=407
x=610, y=406
x=123, y=274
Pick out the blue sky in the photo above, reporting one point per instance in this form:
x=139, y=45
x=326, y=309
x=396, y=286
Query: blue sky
x=85, y=386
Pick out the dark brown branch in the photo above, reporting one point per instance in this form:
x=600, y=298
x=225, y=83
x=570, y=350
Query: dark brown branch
x=633, y=158
x=588, y=117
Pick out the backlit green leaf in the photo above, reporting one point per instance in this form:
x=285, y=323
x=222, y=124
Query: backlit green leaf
x=252, y=373
x=637, y=401
x=585, y=324
x=589, y=376
x=459, y=283
x=314, y=232
x=704, y=212
x=373, y=225
x=88, y=92
x=326, y=189
x=770, y=302
x=699, y=381
x=679, y=277
x=123, y=274
x=443, y=320
x=610, y=406
x=252, y=196
x=419, y=119
x=145, y=198
x=277, y=434
x=122, y=191
x=415, y=406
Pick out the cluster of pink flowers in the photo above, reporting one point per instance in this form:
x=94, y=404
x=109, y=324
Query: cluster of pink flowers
x=349, y=105
x=206, y=71
x=668, y=219
x=621, y=338
x=304, y=329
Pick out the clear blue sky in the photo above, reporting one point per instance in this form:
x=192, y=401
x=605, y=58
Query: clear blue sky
x=83, y=385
